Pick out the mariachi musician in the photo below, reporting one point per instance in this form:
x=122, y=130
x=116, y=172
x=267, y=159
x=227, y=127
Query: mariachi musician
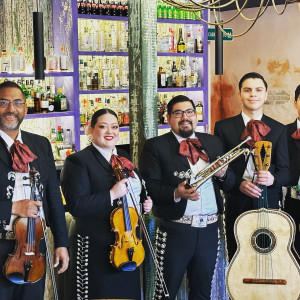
x=292, y=200
x=187, y=237
x=19, y=151
x=92, y=192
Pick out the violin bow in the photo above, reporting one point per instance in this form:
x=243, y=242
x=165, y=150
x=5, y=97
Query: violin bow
x=41, y=213
x=148, y=240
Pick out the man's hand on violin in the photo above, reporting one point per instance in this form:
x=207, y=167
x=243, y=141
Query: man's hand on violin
x=182, y=192
x=147, y=205
x=26, y=208
x=61, y=254
x=119, y=189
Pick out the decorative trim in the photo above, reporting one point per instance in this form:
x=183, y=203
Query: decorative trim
x=160, y=245
x=82, y=261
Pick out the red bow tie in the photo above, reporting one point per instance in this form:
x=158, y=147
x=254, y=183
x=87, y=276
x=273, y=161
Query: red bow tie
x=193, y=149
x=21, y=156
x=296, y=134
x=257, y=130
x=125, y=164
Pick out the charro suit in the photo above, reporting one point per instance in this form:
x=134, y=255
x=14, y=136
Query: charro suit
x=292, y=205
x=48, y=187
x=86, y=180
x=160, y=159
x=229, y=131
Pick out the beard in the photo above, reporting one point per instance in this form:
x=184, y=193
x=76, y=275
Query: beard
x=185, y=133
x=11, y=126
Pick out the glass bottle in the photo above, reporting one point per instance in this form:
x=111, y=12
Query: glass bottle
x=5, y=63
x=181, y=43
x=82, y=76
x=44, y=104
x=37, y=102
x=15, y=60
x=199, y=111
x=198, y=40
x=188, y=73
x=51, y=98
x=63, y=59
x=161, y=78
x=22, y=59
x=52, y=61
x=60, y=101
x=190, y=41
x=194, y=74
x=174, y=74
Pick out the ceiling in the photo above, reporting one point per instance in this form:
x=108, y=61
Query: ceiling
x=250, y=3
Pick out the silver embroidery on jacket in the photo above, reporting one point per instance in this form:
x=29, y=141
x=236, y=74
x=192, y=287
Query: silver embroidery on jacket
x=160, y=245
x=82, y=261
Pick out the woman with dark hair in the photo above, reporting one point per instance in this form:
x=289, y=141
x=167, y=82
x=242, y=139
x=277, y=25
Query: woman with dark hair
x=92, y=191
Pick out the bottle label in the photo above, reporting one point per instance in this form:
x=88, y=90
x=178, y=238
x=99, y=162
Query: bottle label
x=63, y=62
x=63, y=103
x=45, y=104
x=181, y=48
x=163, y=80
x=51, y=107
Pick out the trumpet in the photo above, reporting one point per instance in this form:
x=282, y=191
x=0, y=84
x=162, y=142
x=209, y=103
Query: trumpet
x=206, y=173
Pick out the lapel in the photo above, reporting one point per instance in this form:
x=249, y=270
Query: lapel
x=203, y=141
x=174, y=146
x=99, y=157
x=4, y=154
x=292, y=128
x=239, y=126
x=29, y=143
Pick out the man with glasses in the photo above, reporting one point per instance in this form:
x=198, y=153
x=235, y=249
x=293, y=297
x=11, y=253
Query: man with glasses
x=19, y=151
x=187, y=237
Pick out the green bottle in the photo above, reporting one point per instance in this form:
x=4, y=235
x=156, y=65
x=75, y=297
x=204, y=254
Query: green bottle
x=169, y=11
x=164, y=11
x=181, y=14
x=175, y=13
x=159, y=10
x=60, y=101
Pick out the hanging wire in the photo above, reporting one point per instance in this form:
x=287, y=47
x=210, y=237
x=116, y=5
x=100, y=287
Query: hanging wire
x=215, y=5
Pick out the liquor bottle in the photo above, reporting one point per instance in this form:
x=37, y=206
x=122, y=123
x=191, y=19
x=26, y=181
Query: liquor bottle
x=123, y=39
x=52, y=61
x=174, y=74
x=44, y=104
x=53, y=139
x=83, y=114
x=89, y=74
x=59, y=143
x=199, y=111
x=194, y=74
x=169, y=75
x=95, y=79
x=21, y=59
x=114, y=40
x=5, y=63
x=116, y=75
x=94, y=37
x=108, y=39
x=190, y=41
x=198, y=40
x=101, y=7
x=125, y=10
x=37, y=102
x=68, y=139
x=172, y=45
x=60, y=101
x=164, y=11
x=86, y=40
x=82, y=76
x=15, y=60
x=169, y=12
x=181, y=43
x=113, y=8
x=107, y=7
x=188, y=73
x=82, y=7
x=175, y=13
x=159, y=10
x=105, y=75
x=179, y=77
x=50, y=97
x=95, y=7
x=88, y=7
x=161, y=78
x=63, y=59
x=124, y=74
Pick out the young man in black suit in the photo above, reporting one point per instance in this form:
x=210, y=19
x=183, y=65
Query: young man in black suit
x=187, y=237
x=292, y=200
x=252, y=94
x=15, y=190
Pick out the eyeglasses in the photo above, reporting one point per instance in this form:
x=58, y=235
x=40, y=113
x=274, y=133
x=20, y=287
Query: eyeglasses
x=179, y=113
x=16, y=103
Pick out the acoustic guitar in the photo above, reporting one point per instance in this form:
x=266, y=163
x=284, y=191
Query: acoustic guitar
x=264, y=265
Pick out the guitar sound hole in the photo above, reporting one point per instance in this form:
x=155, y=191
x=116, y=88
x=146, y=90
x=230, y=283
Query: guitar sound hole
x=263, y=240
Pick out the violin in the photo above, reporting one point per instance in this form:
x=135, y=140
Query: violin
x=128, y=252
x=26, y=264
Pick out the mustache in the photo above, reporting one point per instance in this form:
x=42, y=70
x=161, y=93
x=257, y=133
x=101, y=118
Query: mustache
x=10, y=114
x=185, y=121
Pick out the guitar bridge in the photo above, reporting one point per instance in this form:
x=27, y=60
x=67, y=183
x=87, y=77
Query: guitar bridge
x=264, y=281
